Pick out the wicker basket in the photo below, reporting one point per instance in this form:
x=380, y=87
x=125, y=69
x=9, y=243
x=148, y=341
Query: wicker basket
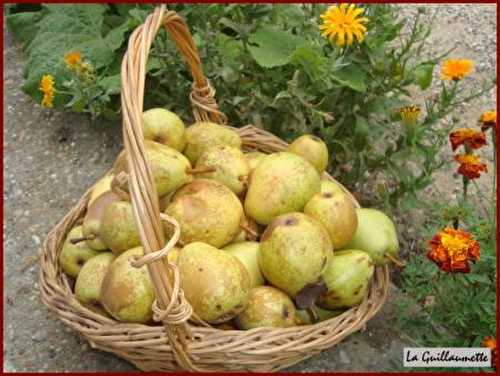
x=179, y=341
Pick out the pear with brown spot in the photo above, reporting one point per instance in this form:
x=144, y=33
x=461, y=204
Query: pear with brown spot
x=248, y=254
x=118, y=228
x=127, y=293
x=312, y=149
x=228, y=164
x=347, y=278
x=282, y=183
x=294, y=252
x=103, y=185
x=74, y=256
x=215, y=283
x=337, y=213
x=267, y=307
x=202, y=135
x=207, y=211
x=164, y=127
x=169, y=167
x=89, y=282
x=330, y=186
x=91, y=227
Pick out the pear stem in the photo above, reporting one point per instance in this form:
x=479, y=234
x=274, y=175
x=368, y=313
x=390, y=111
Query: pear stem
x=313, y=313
x=83, y=238
x=394, y=260
x=248, y=230
x=201, y=170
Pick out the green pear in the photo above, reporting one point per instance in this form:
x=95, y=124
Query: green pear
x=267, y=307
x=169, y=167
x=91, y=227
x=294, y=252
x=118, y=228
x=103, y=185
x=215, y=283
x=337, y=213
x=207, y=211
x=347, y=277
x=89, y=281
x=248, y=253
x=282, y=183
x=376, y=235
x=254, y=158
x=127, y=292
x=74, y=256
x=164, y=127
x=203, y=135
x=312, y=149
x=173, y=255
x=229, y=165
x=303, y=317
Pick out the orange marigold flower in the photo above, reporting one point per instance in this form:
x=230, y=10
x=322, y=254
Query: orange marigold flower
x=73, y=59
x=471, y=165
x=467, y=136
x=456, y=69
x=488, y=119
x=452, y=250
x=48, y=90
x=491, y=343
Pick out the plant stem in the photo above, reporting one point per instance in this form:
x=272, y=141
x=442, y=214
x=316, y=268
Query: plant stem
x=494, y=138
x=466, y=185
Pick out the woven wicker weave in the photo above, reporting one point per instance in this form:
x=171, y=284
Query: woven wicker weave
x=179, y=341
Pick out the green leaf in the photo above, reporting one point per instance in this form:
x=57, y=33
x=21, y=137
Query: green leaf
x=352, y=77
x=24, y=25
x=111, y=84
x=273, y=48
x=312, y=61
x=423, y=75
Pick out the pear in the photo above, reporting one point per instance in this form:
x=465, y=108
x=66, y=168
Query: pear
x=267, y=307
x=249, y=230
x=254, y=158
x=118, y=228
x=303, y=317
x=229, y=165
x=207, y=211
x=169, y=167
x=173, y=255
x=376, y=235
x=294, y=252
x=89, y=281
x=347, y=277
x=100, y=187
x=202, y=135
x=248, y=253
x=127, y=293
x=215, y=283
x=282, y=183
x=331, y=186
x=91, y=227
x=74, y=256
x=164, y=127
x=312, y=149
x=337, y=213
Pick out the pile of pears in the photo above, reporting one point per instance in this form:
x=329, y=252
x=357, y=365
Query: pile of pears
x=267, y=240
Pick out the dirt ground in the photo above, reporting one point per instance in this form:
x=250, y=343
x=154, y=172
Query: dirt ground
x=52, y=157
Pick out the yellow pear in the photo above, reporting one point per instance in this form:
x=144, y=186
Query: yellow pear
x=164, y=127
x=103, y=185
x=248, y=254
x=89, y=281
x=312, y=149
x=74, y=256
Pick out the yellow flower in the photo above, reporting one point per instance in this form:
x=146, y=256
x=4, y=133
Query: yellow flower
x=342, y=23
x=409, y=114
x=73, y=59
x=48, y=90
x=456, y=69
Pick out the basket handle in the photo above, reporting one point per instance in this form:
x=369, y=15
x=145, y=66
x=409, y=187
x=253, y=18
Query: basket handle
x=170, y=305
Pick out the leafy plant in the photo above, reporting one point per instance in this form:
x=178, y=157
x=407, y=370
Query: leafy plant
x=272, y=68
